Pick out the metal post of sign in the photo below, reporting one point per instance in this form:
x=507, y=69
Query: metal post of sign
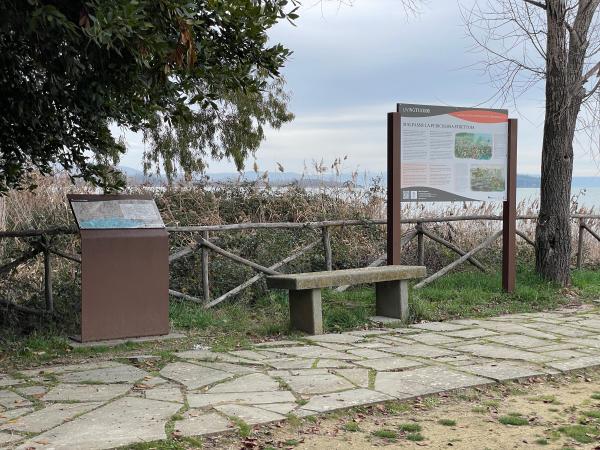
x=509, y=213
x=394, y=230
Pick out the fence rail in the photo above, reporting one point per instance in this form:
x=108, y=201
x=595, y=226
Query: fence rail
x=203, y=244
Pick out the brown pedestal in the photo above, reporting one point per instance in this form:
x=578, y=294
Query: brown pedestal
x=125, y=283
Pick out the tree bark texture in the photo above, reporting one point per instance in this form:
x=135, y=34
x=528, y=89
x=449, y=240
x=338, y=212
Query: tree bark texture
x=566, y=50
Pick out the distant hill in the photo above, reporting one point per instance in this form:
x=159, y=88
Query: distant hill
x=364, y=178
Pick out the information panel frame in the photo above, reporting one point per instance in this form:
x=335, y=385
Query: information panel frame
x=453, y=153
x=394, y=197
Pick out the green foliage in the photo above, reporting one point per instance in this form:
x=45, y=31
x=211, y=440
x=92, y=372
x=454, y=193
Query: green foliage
x=186, y=73
x=447, y=422
x=410, y=427
x=581, y=433
x=513, y=420
x=385, y=434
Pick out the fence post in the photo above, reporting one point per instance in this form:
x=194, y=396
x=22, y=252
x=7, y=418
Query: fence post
x=580, y=243
x=327, y=248
x=420, y=244
x=47, y=277
x=204, y=266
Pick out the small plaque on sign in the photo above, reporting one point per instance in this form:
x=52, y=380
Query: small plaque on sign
x=97, y=213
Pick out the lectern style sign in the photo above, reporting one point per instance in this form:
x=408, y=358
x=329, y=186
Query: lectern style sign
x=124, y=267
x=445, y=153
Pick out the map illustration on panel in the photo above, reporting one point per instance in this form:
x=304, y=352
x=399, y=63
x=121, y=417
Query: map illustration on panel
x=115, y=214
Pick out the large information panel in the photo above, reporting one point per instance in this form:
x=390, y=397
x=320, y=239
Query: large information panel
x=453, y=154
x=99, y=213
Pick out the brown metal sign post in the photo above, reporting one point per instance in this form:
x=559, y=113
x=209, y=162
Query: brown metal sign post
x=471, y=139
x=124, y=267
x=509, y=214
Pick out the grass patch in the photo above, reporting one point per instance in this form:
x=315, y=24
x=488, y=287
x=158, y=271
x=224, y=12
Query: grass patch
x=409, y=427
x=385, y=434
x=513, y=420
x=581, y=433
x=415, y=437
x=541, y=441
x=352, y=427
x=596, y=395
x=592, y=414
x=479, y=409
x=447, y=422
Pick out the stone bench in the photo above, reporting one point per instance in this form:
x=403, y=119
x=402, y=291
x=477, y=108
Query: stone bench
x=391, y=287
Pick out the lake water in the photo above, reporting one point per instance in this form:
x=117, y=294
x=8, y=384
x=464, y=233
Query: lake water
x=586, y=197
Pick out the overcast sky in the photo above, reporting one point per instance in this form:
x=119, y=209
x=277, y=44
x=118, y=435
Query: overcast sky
x=351, y=65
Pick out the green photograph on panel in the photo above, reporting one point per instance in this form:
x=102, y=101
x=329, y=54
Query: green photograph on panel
x=488, y=179
x=473, y=146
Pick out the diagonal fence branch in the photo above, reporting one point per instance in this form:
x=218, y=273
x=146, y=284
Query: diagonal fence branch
x=459, y=261
x=454, y=248
x=205, y=243
x=259, y=276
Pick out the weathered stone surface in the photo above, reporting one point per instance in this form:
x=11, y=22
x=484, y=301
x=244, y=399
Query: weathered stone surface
x=165, y=393
x=425, y=380
x=118, y=374
x=317, y=383
x=593, y=323
x=317, y=280
x=333, y=363
x=11, y=414
x=7, y=438
x=563, y=354
x=390, y=363
x=247, y=398
x=9, y=399
x=369, y=333
x=251, y=355
x=51, y=416
x=291, y=363
x=561, y=330
x=424, y=351
x=235, y=369
x=368, y=353
x=502, y=370
x=43, y=370
x=207, y=355
x=333, y=346
x=335, y=338
x=514, y=328
x=439, y=326
x=256, y=382
x=518, y=340
x=279, y=408
x=85, y=392
x=372, y=344
x=575, y=363
x=472, y=333
x=33, y=391
x=499, y=352
x=432, y=338
x=585, y=342
x=6, y=380
x=196, y=423
x=345, y=399
x=315, y=351
x=249, y=414
x=280, y=343
x=193, y=376
x=359, y=377
x=125, y=421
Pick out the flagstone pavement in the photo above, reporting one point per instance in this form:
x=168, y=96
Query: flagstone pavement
x=106, y=404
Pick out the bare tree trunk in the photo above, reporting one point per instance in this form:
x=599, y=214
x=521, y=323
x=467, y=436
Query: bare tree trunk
x=564, y=96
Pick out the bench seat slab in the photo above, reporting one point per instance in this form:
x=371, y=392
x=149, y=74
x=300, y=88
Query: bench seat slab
x=315, y=280
x=305, y=311
x=391, y=299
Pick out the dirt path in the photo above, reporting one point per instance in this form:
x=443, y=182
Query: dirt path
x=563, y=413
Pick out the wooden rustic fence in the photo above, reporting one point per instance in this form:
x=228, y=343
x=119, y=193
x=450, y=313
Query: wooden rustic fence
x=40, y=245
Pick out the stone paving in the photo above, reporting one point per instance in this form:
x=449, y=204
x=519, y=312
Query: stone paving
x=106, y=404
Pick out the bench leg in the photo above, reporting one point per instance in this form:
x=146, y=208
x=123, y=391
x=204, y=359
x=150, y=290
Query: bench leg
x=305, y=311
x=391, y=299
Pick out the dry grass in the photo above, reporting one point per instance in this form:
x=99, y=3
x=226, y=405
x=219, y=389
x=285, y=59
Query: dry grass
x=252, y=202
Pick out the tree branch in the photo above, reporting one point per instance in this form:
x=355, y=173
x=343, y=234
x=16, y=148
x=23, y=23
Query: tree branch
x=538, y=4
